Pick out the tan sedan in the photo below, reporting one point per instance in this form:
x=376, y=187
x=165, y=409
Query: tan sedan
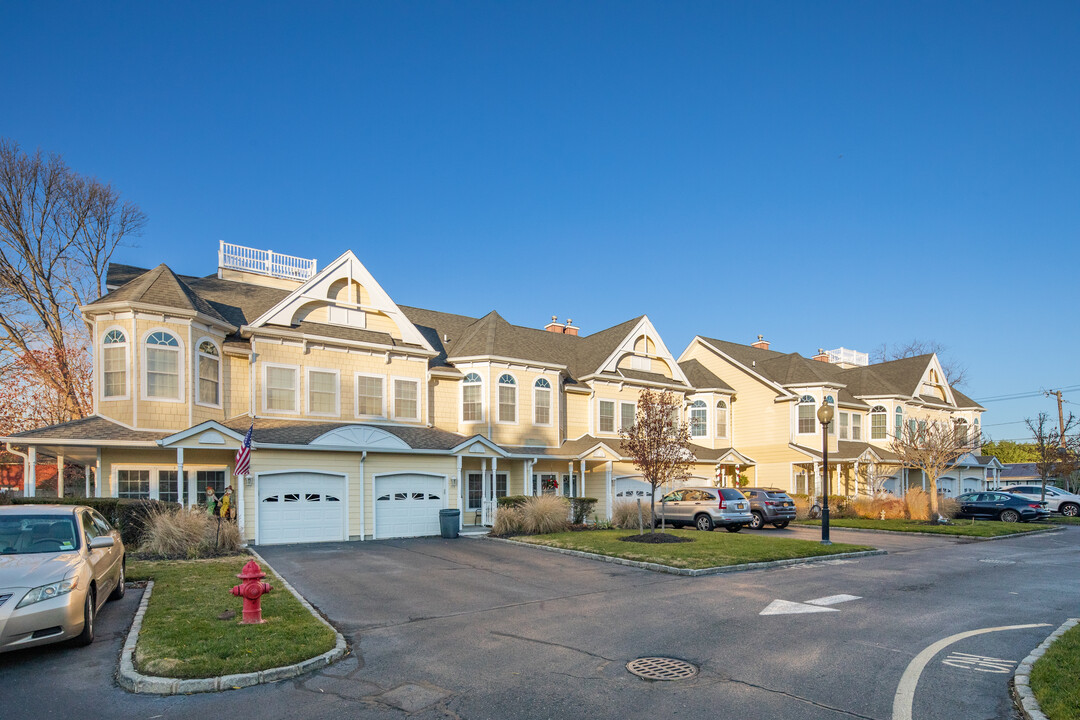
x=58, y=565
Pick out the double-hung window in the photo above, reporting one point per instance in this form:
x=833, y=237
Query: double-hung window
x=607, y=416
x=542, y=402
x=856, y=426
x=472, y=399
x=322, y=392
x=369, y=395
x=877, y=423
x=844, y=426
x=281, y=388
x=209, y=374
x=406, y=399
x=114, y=358
x=698, y=419
x=627, y=415
x=806, y=414
x=162, y=366
x=721, y=419
x=507, y=398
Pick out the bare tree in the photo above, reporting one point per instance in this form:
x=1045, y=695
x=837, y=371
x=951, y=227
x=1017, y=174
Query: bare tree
x=1055, y=450
x=58, y=231
x=932, y=448
x=875, y=475
x=658, y=443
x=955, y=372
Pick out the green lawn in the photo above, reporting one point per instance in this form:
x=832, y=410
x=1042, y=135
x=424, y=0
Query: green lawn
x=980, y=528
x=1062, y=520
x=709, y=549
x=182, y=636
x=1053, y=679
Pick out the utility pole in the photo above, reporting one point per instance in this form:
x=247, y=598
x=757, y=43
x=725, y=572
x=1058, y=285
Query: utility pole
x=1061, y=417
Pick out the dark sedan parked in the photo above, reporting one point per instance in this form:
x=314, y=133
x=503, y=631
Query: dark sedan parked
x=1002, y=506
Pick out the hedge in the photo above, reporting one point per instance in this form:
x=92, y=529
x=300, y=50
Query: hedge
x=580, y=507
x=126, y=515
x=512, y=500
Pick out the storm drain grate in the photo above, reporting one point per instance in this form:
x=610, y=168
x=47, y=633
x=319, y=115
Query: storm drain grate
x=661, y=668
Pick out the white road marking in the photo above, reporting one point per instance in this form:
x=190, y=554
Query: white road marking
x=786, y=607
x=979, y=663
x=905, y=691
x=833, y=599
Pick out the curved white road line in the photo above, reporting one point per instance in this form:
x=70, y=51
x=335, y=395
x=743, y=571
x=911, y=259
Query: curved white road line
x=905, y=691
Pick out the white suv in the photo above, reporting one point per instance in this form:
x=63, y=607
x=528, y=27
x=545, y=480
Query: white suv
x=1057, y=500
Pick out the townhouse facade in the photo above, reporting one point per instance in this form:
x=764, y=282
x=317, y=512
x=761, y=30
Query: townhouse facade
x=368, y=417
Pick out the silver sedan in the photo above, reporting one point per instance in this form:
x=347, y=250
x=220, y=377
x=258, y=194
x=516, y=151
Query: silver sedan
x=58, y=565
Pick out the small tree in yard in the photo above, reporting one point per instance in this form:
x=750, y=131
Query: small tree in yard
x=1055, y=452
x=659, y=443
x=932, y=448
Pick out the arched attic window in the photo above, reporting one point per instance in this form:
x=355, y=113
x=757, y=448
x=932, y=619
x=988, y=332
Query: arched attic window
x=721, y=419
x=507, y=398
x=472, y=398
x=162, y=366
x=114, y=359
x=878, y=423
x=542, y=402
x=806, y=414
x=698, y=418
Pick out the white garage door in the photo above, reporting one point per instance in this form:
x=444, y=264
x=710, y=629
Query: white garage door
x=408, y=505
x=631, y=489
x=301, y=507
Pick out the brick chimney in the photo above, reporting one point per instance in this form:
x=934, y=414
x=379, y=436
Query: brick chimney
x=821, y=356
x=562, y=328
x=554, y=325
x=569, y=329
x=761, y=344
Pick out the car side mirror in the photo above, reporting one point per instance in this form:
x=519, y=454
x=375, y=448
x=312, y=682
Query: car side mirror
x=102, y=541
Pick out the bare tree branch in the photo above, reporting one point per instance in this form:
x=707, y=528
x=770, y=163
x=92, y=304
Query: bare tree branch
x=955, y=372
x=932, y=447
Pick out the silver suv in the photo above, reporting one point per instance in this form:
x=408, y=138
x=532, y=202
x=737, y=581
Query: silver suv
x=769, y=506
x=1057, y=500
x=705, y=508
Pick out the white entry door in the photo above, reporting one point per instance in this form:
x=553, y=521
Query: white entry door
x=301, y=507
x=408, y=505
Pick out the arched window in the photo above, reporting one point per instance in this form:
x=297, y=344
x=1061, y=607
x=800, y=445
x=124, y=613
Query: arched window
x=472, y=399
x=698, y=419
x=806, y=414
x=507, y=398
x=899, y=423
x=962, y=432
x=830, y=400
x=721, y=419
x=209, y=374
x=114, y=359
x=162, y=366
x=542, y=402
x=878, y=423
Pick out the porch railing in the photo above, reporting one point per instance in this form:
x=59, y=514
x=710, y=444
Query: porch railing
x=265, y=262
x=488, y=510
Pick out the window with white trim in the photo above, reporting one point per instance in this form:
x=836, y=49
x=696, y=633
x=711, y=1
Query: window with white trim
x=962, y=432
x=542, y=402
x=472, y=399
x=806, y=414
x=369, y=395
x=406, y=399
x=133, y=484
x=507, y=398
x=322, y=392
x=877, y=423
x=162, y=366
x=114, y=359
x=281, y=388
x=721, y=419
x=856, y=426
x=844, y=418
x=899, y=424
x=698, y=419
x=209, y=374
x=627, y=415
x=607, y=416
x=829, y=400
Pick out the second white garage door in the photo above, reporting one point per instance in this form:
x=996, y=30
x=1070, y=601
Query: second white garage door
x=407, y=505
x=300, y=507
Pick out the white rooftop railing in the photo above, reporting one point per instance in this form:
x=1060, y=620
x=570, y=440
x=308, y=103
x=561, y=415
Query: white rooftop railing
x=265, y=262
x=850, y=357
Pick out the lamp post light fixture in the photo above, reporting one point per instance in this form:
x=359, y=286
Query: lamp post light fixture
x=825, y=416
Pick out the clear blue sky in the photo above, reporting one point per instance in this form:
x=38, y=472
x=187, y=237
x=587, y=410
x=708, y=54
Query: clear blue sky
x=824, y=174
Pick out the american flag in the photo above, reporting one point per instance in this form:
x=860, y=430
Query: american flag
x=243, y=455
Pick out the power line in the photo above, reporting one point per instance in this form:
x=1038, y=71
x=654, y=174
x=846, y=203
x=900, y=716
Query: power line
x=1020, y=396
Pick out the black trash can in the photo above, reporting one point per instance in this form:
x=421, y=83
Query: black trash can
x=449, y=521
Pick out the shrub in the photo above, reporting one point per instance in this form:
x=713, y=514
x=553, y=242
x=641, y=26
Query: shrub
x=508, y=521
x=864, y=507
x=624, y=515
x=512, y=501
x=177, y=533
x=917, y=501
x=894, y=508
x=580, y=507
x=841, y=506
x=126, y=515
x=545, y=514
x=802, y=506
x=948, y=506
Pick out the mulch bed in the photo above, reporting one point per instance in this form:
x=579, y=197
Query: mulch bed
x=656, y=538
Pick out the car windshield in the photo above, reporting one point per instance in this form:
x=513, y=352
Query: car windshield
x=25, y=534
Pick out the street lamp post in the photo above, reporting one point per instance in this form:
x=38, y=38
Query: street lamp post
x=825, y=416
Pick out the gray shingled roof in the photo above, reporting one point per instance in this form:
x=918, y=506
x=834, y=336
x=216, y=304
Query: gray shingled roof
x=702, y=378
x=293, y=432
x=91, y=428
x=161, y=286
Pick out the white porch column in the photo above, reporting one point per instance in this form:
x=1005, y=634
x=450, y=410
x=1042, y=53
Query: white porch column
x=461, y=496
x=856, y=472
x=581, y=481
x=180, y=478
x=59, y=475
x=86, y=470
x=193, y=490
x=525, y=479
x=610, y=485
x=30, y=479
x=485, y=481
x=97, y=475
x=568, y=490
x=817, y=480
x=494, y=469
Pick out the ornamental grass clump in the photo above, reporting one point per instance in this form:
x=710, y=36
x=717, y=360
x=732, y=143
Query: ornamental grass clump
x=187, y=533
x=508, y=521
x=624, y=515
x=917, y=501
x=545, y=514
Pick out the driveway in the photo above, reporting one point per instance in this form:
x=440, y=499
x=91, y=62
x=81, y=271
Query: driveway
x=470, y=628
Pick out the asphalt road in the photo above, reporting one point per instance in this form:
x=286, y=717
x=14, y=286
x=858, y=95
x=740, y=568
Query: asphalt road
x=474, y=629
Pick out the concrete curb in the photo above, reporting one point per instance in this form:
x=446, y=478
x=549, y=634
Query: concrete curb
x=964, y=538
x=1023, y=698
x=133, y=681
x=686, y=572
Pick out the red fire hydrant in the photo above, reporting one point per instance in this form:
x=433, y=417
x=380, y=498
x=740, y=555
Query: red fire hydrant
x=252, y=591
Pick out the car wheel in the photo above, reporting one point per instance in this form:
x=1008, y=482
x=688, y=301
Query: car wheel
x=733, y=528
x=704, y=523
x=119, y=590
x=780, y=525
x=87, y=635
x=756, y=521
x=1070, y=509
x=1009, y=516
